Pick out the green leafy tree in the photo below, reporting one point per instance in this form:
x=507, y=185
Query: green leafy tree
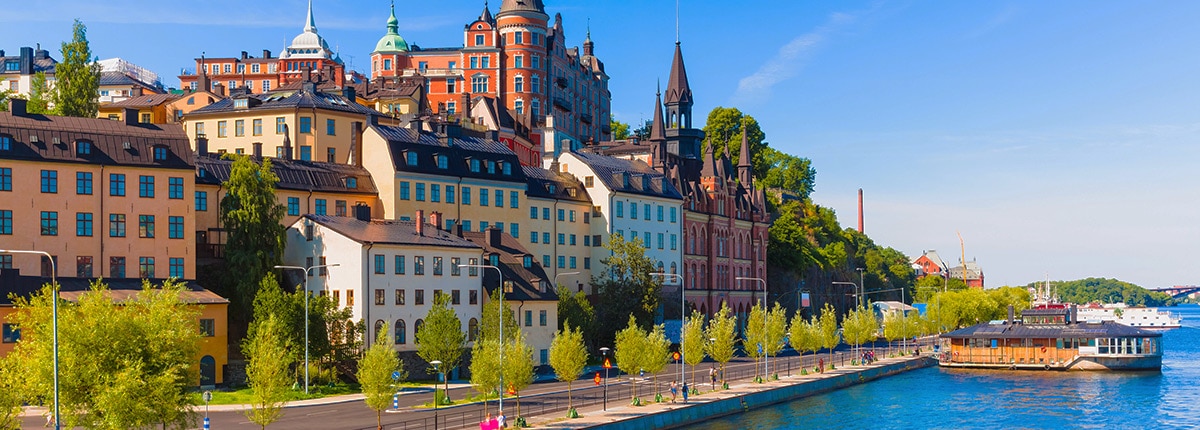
x=915, y=325
x=12, y=395
x=658, y=353
x=724, y=130
x=77, y=77
x=694, y=341
x=893, y=327
x=805, y=336
x=375, y=375
x=251, y=214
x=620, y=130
x=828, y=329
x=40, y=94
x=630, y=351
x=267, y=371
x=345, y=337
x=777, y=326
x=518, y=368
x=859, y=326
x=124, y=364
x=568, y=356
x=1106, y=290
x=485, y=367
x=4, y=96
x=756, y=330
x=441, y=337
x=722, y=338
x=575, y=310
x=787, y=172
x=625, y=288
x=489, y=322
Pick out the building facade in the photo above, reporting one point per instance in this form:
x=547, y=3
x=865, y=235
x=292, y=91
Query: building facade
x=17, y=72
x=559, y=227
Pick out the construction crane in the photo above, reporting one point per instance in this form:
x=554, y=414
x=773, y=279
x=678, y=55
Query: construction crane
x=963, y=248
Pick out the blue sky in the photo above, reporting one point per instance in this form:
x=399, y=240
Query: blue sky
x=1059, y=138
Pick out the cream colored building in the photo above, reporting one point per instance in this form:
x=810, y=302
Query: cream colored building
x=559, y=227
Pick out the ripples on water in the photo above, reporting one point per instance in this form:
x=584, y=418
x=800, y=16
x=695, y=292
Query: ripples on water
x=958, y=399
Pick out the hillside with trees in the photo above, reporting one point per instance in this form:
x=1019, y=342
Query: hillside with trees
x=1105, y=290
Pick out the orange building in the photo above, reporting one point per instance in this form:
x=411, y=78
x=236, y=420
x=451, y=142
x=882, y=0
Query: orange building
x=158, y=108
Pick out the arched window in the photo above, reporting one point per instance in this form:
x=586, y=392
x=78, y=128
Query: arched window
x=674, y=268
x=519, y=105
x=378, y=329
x=401, y=337
x=519, y=84
x=472, y=329
x=417, y=330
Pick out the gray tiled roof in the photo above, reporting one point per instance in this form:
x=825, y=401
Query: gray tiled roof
x=391, y=232
x=291, y=99
x=293, y=174
x=459, y=149
x=57, y=137
x=540, y=179
x=512, y=264
x=12, y=282
x=1073, y=330
x=644, y=180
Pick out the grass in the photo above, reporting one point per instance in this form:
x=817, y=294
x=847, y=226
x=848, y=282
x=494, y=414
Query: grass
x=245, y=395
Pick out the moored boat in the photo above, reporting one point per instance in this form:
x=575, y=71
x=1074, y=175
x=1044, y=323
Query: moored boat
x=1134, y=316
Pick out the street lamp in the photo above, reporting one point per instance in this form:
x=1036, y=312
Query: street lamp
x=500, y=310
x=306, y=294
x=862, y=285
x=604, y=353
x=562, y=274
x=53, y=318
x=682, y=313
x=766, y=366
x=436, y=398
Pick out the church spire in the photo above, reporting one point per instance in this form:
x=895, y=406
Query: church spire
x=310, y=26
x=745, y=167
x=656, y=125
x=679, y=93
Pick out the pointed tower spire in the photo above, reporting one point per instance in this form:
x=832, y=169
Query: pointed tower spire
x=745, y=167
x=310, y=26
x=588, y=46
x=710, y=161
x=486, y=15
x=656, y=125
x=679, y=93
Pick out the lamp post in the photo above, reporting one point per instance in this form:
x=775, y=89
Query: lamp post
x=500, y=310
x=862, y=285
x=436, y=399
x=306, y=294
x=766, y=365
x=604, y=353
x=682, y=313
x=53, y=317
x=562, y=274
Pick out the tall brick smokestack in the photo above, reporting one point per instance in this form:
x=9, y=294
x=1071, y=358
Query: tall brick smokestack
x=860, y=210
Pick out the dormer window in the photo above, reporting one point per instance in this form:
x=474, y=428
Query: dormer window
x=552, y=188
x=411, y=158
x=351, y=182
x=625, y=179
x=83, y=148
x=494, y=260
x=474, y=166
x=160, y=153
x=443, y=162
x=527, y=261
x=491, y=166
x=241, y=103
x=507, y=168
x=5, y=142
x=571, y=192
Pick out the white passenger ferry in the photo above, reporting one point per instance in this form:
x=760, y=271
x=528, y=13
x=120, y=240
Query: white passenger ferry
x=1133, y=316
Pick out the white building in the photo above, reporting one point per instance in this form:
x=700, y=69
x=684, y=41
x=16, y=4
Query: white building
x=388, y=271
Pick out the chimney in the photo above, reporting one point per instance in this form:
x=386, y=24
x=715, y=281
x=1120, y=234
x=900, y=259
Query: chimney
x=131, y=116
x=860, y=210
x=362, y=212
x=356, y=137
x=1, y=52
x=26, y=62
x=349, y=93
x=1074, y=314
x=458, y=229
x=219, y=89
x=266, y=53
x=420, y=219
x=287, y=143
x=201, y=145
x=245, y=55
x=1011, y=313
x=465, y=110
x=493, y=237
x=137, y=92
x=435, y=218
x=16, y=106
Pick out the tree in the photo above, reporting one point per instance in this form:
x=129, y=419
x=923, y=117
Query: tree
x=756, y=330
x=721, y=337
x=485, y=367
x=630, y=351
x=77, y=77
x=11, y=393
x=122, y=364
x=658, y=353
x=441, y=337
x=828, y=329
x=568, y=356
x=804, y=335
x=375, y=371
x=776, y=330
x=620, y=130
x=626, y=288
x=893, y=328
x=251, y=214
x=518, y=368
x=40, y=94
x=694, y=341
x=344, y=335
x=574, y=309
x=489, y=322
x=724, y=127
x=859, y=326
x=787, y=172
x=267, y=371
x=4, y=96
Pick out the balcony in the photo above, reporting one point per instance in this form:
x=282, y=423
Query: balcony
x=586, y=118
x=561, y=81
x=563, y=103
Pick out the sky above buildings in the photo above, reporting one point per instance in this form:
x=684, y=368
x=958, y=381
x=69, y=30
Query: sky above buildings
x=1060, y=139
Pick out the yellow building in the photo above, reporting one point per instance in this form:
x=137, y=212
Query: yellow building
x=304, y=187
x=559, y=225
x=303, y=124
x=158, y=108
x=125, y=188
x=211, y=315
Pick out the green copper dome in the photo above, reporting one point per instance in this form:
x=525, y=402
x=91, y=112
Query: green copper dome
x=392, y=42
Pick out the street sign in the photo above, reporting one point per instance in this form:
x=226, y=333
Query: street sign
x=597, y=378
x=760, y=348
x=207, y=396
x=676, y=355
x=396, y=375
x=607, y=364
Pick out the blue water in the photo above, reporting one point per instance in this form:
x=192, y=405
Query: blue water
x=958, y=399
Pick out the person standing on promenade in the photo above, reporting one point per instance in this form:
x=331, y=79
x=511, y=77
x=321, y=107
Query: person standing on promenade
x=674, y=390
x=685, y=391
x=712, y=375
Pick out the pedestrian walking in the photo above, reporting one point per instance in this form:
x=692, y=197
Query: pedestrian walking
x=500, y=421
x=821, y=365
x=712, y=374
x=674, y=391
x=685, y=391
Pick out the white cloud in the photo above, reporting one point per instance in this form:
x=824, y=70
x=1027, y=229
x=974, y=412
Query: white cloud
x=788, y=61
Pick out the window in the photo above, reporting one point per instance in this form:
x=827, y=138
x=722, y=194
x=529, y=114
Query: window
x=587, y=263
x=514, y=230
x=419, y=266
x=12, y=333
x=499, y=198
x=514, y=198
x=222, y=127
x=175, y=188
x=589, y=181
x=400, y=332
x=660, y=213
x=455, y=297
x=545, y=260
x=399, y=297
x=562, y=262
x=306, y=153
x=572, y=260
x=572, y=240
x=399, y=265
x=331, y=127
x=404, y=191
x=349, y=297
x=454, y=269
x=474, y=62
x=528, y=318
x=116, y=225
x=379, y=264
x=483, y=196
x=83, y=267
x=519, y=84
x=533, y=235
x=542, y=320
x=674, y=240
x=280, y=124
x=146, y=226
x=239, y=128
x=562, y=239
x=175, y=267
x=256, y=128
x=449, y=194
x=479, y=84
x=647, y=211
x=116, y=267
x=435, y=193
x=660, y=241
x=49, y=181
x=339, y=207
x=620, y=210
x=473, y=271
x=83, y=224
x=145, y=267
x=5, y=179
x=380, y=297
x=474, y=165
x=146, y=186
x=545, y=355
x=437, y=266
x=533, y=212
x=587, y=240
x=116, y=184
x=546, y=213
x=208, y=327
x=6, y=222
x=305, y=124
x=633, y=212
x=420, y=191
x=546, y=238
x=450, y=84
x=646, y=240
x=419, y=297
x=478, y=39
x=466, y=224
x=572, y=215
x=293, y=206
x=49, y=223
x=673, y=214
x=320, y=207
